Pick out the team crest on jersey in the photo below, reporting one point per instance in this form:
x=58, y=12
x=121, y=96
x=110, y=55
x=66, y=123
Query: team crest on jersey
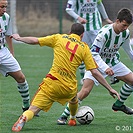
x=69, y=5
x=95, y=48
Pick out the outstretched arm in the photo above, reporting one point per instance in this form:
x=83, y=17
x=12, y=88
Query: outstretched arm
x=28, y=40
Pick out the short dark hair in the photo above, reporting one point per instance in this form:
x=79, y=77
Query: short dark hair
x=125, y=14
x=77, y=28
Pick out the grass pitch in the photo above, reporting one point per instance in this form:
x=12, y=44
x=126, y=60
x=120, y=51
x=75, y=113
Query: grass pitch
x=35, y=63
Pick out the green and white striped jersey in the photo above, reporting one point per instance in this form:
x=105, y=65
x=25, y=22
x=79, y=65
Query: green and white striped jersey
x=5, y=27
x=106, y=45
x=88, y=10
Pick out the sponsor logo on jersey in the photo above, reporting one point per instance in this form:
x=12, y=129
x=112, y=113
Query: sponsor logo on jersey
x=109, y=53
x=88, y=8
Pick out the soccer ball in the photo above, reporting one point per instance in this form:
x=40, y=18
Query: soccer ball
x=85, y=115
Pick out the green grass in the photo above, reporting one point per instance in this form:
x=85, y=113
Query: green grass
x=35, y=63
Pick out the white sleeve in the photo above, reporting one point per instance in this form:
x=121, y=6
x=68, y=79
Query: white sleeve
x=73, y=14
x=102, y=10
x=71, y=8
x=102, y=66
x=9, y=29
x=127, y=48
x=9, y=25
x=96, y=49
x=131, y=41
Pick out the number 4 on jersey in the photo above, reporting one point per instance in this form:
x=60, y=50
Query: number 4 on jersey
x=73, y=51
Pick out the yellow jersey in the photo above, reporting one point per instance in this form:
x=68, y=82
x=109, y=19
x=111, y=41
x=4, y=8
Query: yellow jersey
x=69, y=52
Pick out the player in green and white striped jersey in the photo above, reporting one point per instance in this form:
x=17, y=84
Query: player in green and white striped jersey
x=105, y=52
x=88, y=13
x=9, y=66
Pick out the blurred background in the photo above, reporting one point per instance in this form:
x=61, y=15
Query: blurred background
x=43, y=17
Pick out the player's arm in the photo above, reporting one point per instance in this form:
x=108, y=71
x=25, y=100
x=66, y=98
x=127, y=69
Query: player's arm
x=95, y=50
x=92, y=66
x=128, y=48
x=102, y=10
x=10, y=45
x=77, y=17
x=7, y=35
x=70, y=9
x=103, y=67
x=28, y=40
x=97, y=75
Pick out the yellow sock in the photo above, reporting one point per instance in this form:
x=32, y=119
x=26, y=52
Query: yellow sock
x=29, y=115
x=73, y=108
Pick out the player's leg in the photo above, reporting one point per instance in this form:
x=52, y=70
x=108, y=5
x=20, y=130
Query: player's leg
x=73, y=106
x=125, y=75
x=83, y=93
x=25, y=117
x=62, y=120
x=10, y=66
x=23, y=88
x=39, y=102
x=85, y=90
x=82, y=71
x=28, y=114
x=113, y=80
x=125, y=92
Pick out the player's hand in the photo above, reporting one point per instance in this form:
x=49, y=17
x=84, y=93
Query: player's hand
x=109, y=72
x=82, y=20
x=114, y=93
x=15, y=36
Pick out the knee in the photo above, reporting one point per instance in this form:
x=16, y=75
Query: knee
x=21, y=78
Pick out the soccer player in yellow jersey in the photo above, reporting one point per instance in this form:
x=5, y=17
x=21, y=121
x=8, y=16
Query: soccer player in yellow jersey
x=60, y=84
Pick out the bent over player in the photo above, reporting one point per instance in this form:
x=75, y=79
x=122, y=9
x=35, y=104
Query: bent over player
x=8, y=64
x=60, y=84
x=105, y=52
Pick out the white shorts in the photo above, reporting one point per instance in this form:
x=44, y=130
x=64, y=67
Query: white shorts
x=7, y=62
x=89, y=36
x=119, y=70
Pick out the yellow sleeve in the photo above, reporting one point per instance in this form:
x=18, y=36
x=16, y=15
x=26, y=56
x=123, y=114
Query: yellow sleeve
x=47, y=41
x=88, y=60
